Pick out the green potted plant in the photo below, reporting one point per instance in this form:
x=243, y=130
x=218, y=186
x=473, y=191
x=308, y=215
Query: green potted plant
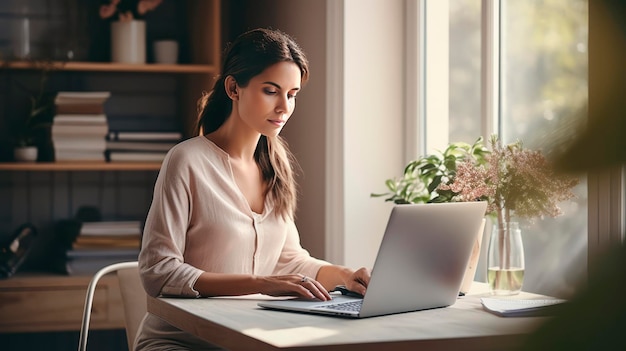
x=31, y=134
x=422, y=182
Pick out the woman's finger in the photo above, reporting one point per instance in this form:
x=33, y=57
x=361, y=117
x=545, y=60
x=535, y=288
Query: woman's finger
x=314, y=287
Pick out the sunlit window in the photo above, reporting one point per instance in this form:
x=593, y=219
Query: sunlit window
x=543, y=89
x=465, y=70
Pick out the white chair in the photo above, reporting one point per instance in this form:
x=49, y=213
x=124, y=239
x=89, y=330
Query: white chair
x=133, y=299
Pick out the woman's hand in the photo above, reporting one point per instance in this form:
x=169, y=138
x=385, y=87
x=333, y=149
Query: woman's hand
x=293, y=285
x=358, y=281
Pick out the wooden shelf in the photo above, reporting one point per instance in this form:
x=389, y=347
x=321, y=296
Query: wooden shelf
x=111, y=67
x=49, y=302
x=80, y=166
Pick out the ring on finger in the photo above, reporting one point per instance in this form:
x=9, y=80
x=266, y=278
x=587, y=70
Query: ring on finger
x=304, y=279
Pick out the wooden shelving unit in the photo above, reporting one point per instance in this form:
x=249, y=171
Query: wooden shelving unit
x=45, y=302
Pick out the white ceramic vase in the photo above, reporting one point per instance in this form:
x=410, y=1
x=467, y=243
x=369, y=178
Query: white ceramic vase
x=128, y=41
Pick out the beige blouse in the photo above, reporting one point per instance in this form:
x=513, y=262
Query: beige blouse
x=200, y=221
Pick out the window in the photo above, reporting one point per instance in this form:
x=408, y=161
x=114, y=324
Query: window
x=471, y=68
x=540, y=75
x=543, y=86
x=465, y=70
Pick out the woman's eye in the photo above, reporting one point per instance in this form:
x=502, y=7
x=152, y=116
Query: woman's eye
x=270, y=92
x=291, y=96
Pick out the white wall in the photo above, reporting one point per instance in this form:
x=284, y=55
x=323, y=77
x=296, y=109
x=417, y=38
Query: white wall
x=372, y=138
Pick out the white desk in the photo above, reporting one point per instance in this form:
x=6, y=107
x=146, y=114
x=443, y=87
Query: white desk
x=238, y=324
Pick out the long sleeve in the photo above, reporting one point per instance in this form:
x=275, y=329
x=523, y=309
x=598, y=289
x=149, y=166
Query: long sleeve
x=162, y=261
x=200, y=221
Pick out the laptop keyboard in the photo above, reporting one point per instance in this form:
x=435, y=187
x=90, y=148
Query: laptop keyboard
x=351, y=306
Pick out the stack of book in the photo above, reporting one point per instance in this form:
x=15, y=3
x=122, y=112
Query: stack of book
x=80, y=126
x=140, y=146
x=100, y=244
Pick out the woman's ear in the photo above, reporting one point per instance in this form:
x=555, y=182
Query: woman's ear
x=230, y=84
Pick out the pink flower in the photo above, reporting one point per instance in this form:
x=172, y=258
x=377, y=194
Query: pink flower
x=128, y=9
x=515, y=181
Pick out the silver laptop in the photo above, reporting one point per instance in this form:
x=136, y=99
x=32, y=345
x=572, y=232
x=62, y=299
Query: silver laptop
x=420, y=263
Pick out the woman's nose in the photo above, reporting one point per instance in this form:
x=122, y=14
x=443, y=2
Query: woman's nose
x=283, y=105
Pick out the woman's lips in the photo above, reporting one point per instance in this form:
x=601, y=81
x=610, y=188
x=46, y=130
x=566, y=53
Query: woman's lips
x=278, y=122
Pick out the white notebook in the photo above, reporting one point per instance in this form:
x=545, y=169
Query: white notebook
x=522, y=307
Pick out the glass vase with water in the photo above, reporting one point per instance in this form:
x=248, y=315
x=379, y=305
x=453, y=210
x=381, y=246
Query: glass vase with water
x=505, y=261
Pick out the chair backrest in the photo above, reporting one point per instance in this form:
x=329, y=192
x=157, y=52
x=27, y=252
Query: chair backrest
x=134, y=300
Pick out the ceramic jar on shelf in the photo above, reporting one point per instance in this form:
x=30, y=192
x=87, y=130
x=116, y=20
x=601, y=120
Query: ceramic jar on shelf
x=128, y=41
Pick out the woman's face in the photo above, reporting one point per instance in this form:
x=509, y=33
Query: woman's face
x=269, y=99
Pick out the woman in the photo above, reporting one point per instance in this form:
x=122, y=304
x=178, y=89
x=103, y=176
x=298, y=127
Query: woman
x=222, y=216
